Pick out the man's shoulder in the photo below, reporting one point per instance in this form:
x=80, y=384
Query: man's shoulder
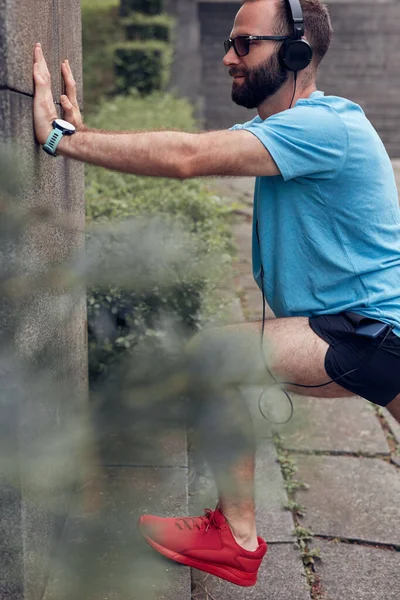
x=334, y=104
x=256, y=120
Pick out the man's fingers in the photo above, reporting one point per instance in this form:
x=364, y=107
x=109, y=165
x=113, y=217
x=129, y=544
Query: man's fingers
x=41, y=62
x=39, y=80
x=66, y=104
x=70, y=85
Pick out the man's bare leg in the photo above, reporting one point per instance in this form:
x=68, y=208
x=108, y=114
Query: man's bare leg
x=293, y=353
x=226, y=438
x=394, y=408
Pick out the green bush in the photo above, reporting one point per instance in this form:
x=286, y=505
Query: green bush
x=144, y=66
x=149, y=7
x=122, y=317
x=133, y=112
x=101, y=30
x=145, y=27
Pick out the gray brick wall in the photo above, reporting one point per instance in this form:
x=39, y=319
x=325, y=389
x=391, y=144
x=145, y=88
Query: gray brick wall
x=216, y=20
x=363, y=63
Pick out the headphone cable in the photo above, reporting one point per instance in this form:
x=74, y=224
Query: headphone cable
x=294, y=90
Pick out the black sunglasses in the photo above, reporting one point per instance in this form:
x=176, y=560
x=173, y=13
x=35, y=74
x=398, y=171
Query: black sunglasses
x=241, y=43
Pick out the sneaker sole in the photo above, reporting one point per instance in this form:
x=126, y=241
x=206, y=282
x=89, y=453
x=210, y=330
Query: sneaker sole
x=233, y=575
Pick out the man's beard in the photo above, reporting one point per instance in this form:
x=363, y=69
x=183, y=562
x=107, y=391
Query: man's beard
x=261, y=83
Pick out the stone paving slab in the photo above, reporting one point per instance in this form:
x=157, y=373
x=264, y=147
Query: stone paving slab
x=235, y=188
x=355, y=498
x=242, y=233
x=394, y=425
x=358, y=572
x=243, y=266
x=142, y=443
x=247, y=282
x=233, y=310
x=166, y=449
x=253, y=305
x=274, y=523
x=102, y=555
x=334, y=425
x=281, y=577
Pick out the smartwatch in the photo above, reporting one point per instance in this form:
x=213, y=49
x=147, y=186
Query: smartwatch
x=60, y=128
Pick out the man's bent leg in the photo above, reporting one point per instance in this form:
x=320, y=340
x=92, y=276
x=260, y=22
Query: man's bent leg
x=219, y=361
x=231, y=356
x=294, y=353
x=394, y=408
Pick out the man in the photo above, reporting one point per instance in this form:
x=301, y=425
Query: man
x=326, y=251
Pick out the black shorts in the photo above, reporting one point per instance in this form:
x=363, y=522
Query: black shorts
x=377, y=377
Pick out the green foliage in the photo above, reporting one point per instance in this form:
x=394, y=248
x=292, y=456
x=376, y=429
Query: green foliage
x=144, y=66
x=122, y=318
x=308, y=556
x=288, y=466
x=132, y=112
x=145, y=27
x=302, y=533
x=150, y=7
x=101, y=30
x=296, y=508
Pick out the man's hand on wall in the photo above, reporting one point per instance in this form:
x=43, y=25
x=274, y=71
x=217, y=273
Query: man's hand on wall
x=44, y=111
x=69, y=102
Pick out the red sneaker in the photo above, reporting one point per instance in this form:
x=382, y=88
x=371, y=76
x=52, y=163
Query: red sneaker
x=205, y=543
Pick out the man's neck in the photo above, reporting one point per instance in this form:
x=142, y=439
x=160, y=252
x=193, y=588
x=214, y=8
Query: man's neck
x=281, y=101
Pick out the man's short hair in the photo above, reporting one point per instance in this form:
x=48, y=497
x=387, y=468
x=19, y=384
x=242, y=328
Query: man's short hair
x=317, y=24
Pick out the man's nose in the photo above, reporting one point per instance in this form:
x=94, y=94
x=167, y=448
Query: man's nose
x=231, y=58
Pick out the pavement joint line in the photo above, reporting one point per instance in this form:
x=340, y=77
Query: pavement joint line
x=134, y=466
x=361, y=454
x=241, y=212
x=275, y=543
x=359, y=542
x=388, y=432
x=303, y=536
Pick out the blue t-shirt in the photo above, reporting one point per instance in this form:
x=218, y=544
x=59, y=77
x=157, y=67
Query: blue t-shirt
x=329, y=225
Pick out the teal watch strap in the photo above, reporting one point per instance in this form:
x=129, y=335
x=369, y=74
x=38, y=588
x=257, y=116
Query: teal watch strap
x=52, y=142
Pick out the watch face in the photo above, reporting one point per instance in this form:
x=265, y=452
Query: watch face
x=65, y=125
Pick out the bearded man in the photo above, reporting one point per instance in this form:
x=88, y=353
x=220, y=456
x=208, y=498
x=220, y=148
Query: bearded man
x=326, y=253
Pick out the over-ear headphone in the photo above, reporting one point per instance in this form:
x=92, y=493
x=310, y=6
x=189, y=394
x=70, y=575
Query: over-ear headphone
x=296, y=53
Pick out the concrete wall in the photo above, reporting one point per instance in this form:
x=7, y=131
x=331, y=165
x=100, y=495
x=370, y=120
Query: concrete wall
x=187, y=65
x=363, y=63
x=43, y=348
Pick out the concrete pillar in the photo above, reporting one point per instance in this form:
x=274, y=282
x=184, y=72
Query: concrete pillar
x=43, y=340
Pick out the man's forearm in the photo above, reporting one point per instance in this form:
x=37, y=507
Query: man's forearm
x=158, y=153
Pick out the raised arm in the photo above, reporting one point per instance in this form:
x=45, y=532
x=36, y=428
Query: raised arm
x=172, y=154
x=159, y=153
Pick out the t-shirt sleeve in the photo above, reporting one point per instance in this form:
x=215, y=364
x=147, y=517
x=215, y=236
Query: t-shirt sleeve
x=305, y=141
